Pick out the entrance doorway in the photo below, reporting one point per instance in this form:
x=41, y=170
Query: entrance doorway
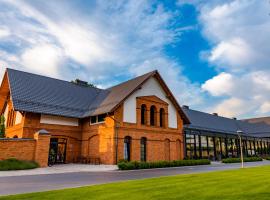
x=57, y=153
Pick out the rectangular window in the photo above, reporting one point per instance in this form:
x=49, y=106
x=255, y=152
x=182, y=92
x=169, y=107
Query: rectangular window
x=93, y=120
x=204, y=147
x=97, y=119
x=101, y=118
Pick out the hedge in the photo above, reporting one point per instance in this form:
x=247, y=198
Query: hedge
x=14, y=164
x=124, y=165
x=238, y=160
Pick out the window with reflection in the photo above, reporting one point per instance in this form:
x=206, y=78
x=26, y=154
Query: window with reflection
x=162, y=117
x=190, y=146
x=153, y=115
x=211, y=148
x=234, y=148
x=127, y=148
x=197, y=146
x=143, y=149
x=218, y=148
x=223, y=147
x=204, y=148
x=229, y=148
x=143, y=114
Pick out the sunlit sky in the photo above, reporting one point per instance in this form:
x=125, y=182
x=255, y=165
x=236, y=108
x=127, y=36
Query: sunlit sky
x=214, y=55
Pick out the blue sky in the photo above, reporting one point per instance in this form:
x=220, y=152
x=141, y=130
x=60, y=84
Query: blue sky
x=214, y=55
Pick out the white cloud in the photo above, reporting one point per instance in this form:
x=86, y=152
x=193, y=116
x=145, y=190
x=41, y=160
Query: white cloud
x=251, y=92
x=112, y=39
x=239, y=31
x=186, y=92
x=219, y=85
x=265, y=107
x=233, y=107
x=235, y=52
x=44, y=59
x=4, y=32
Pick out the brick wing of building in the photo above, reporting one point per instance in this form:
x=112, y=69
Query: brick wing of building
x=136, y=120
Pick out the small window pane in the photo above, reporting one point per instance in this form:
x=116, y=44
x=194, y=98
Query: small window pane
x=93, y=119
x=101, y=118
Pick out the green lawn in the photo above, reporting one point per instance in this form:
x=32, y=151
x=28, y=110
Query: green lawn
x=245, y=184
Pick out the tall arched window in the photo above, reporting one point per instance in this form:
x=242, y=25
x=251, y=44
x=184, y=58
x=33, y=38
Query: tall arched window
x=143, y=114
x=127, y=148
x=162, y=117
x=153, y=115
x=143, y=149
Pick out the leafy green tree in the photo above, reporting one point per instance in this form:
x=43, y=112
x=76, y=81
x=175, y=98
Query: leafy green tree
x=2, y=127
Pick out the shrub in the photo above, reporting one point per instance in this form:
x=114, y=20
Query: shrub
x=238, y=160
x=124, y=165
x=14, y=164
x=267, y=158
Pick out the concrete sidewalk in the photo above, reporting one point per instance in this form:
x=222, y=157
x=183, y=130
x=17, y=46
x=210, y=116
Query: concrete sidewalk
x=59, y=169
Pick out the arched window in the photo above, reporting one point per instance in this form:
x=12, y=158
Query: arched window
x=153, y=115
x=143, y=149
x=143, y=114
x=162, y=117
x=127, y=148
x=167, y=149
x=15, y=136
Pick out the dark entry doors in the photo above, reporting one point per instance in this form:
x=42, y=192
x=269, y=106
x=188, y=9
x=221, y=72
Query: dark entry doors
x=57, y=153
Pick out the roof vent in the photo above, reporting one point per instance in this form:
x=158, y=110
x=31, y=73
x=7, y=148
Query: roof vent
x=215, y=114
x=185, y=106
x=81, y=83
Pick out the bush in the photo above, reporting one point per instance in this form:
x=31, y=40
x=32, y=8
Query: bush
x=14, y=164
x=267, y=158
x=238, y=160
x=124, y=165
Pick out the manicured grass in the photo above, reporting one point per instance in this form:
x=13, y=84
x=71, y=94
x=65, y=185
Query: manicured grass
x=14, y=164
x=242, y=184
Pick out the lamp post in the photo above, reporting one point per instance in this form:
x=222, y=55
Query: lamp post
x=239, y=133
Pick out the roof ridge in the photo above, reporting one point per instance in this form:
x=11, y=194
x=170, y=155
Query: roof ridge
x=137, y=77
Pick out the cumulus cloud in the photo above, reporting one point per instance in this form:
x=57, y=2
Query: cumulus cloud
x=247, y=94
x=186, y=92
x=219, y=85
x=44, y=59
x=112, y=41
x=4, y=32
x=238, y=31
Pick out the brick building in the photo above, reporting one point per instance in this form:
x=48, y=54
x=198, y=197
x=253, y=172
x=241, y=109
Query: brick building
x=136, y=120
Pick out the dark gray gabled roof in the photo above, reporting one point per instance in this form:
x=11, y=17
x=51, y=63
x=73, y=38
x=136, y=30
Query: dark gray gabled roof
x=40, y=94
x=209, y=122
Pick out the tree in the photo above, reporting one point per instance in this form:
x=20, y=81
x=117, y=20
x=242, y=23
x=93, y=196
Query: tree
x=83, y=83
x=2, y=127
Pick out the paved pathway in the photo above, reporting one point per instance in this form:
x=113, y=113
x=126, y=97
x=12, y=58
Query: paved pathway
x=59, y=169
x=34, y=183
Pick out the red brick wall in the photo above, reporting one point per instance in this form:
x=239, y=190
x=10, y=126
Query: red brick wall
x=22, y=149
x=156, y=147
